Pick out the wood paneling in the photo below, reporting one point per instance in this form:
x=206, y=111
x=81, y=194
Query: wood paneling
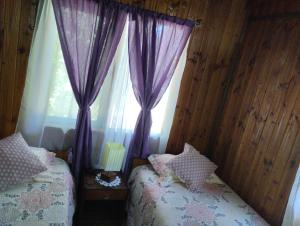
x=16, y=27
x=257, y=146
x=206, y=74
x=274, y=8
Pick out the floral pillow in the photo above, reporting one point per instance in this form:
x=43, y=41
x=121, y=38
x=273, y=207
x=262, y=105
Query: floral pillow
x=192, y=168
x=44, y=156
x=17, y=162
x=166, y=175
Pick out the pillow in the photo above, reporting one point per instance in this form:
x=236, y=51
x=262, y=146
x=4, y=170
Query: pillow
x=192, y=168
x=158, y=162
x=17, y=162
x=46, y=157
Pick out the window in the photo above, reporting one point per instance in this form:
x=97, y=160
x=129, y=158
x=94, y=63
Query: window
x=48, y=97
x=62, y=106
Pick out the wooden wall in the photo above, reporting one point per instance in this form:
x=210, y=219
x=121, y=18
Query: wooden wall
x=257, y=145
x=207, y=71
x=17, y=19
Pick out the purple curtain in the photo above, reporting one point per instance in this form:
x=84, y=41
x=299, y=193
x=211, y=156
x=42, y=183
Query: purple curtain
x=89, y=33
x=155, y=46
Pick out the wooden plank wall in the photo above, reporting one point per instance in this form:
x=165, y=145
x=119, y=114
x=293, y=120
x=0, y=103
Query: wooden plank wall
x=17, y=19
x=206, y=74
x=257, y=146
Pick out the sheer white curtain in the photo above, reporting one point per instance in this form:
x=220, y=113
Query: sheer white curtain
x=48, y=99
x=292, y=213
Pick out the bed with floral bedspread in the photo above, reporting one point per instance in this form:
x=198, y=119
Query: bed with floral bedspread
x=216, y=203
x=46, y=200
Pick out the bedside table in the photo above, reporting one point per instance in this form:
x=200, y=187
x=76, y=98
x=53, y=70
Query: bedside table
x=92, y=191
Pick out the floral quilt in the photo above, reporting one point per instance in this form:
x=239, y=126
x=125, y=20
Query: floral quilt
x=216, y=204
x=46, y=200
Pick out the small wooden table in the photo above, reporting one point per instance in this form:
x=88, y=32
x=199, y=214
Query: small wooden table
x=92, y=191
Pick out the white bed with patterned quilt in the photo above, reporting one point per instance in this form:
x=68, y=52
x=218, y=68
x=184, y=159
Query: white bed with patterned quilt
x=45, y=200
x=155, y=205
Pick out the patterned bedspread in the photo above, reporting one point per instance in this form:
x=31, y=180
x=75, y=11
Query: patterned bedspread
x=216, y=204
x=47, y=200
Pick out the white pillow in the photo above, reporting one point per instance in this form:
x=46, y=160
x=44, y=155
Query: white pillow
x=44, y=156
x=166, y=175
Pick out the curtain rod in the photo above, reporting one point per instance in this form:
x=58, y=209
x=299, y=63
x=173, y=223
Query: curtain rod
x=134, y=8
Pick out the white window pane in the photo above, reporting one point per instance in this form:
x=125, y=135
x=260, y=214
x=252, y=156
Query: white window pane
x=62, y=103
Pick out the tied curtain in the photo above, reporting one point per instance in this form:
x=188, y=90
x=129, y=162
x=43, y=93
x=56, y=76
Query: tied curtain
x=123, y=109
x=89, y=33
x=155, y=45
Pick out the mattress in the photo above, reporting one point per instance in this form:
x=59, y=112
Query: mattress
x=216, y=203
x=47, y=199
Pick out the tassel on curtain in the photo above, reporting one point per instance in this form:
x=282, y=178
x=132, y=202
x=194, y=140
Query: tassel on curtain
x=89, y=33
x=155, y=45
